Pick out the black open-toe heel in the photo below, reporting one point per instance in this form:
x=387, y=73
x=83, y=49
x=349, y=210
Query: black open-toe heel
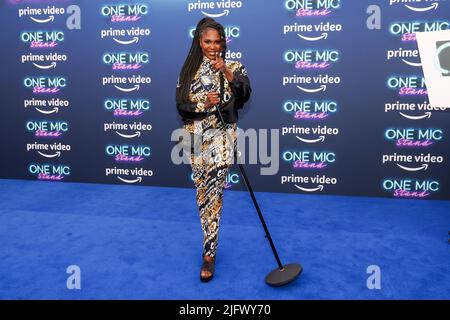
x=209, y=267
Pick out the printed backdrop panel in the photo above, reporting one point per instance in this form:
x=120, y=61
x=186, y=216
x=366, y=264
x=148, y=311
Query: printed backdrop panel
x=88, y=93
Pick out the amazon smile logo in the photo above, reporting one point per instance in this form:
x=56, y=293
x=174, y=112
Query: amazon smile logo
x=48, y=151
x=416, y=7
x=44, y=61
x=50, y=12
x=309, y=184
x=422, y=110
x=407, y=56
x=123, y=174
x=136, y=128
x=125, y=36
x=320, y=31
x=412, y=163
x=310, y=135
x=55, y=104
x=214, y=9
x=126, y=84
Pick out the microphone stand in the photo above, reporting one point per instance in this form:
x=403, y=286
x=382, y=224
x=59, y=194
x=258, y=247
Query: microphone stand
x=284, y=274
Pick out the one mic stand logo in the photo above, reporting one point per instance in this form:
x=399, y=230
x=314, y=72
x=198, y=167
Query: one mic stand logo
x=128, y=153
x=49, y=171
x=42, y=39
x=125, y=12
x=307, y=8
x=126, y=60
x=45, y=85
x=442, y=58
x=414, y=137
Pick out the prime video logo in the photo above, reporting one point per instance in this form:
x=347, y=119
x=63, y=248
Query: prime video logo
x=442, y=59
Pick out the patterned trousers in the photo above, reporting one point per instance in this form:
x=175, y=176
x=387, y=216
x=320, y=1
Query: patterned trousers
x=210, y=169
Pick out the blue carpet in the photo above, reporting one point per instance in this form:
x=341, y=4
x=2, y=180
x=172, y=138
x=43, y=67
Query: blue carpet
x=134, y=242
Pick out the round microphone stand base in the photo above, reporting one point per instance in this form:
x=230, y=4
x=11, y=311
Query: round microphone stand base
x=280, y=277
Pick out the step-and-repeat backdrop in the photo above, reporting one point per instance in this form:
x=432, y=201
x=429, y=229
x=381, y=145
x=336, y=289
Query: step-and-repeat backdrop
x=88, y=93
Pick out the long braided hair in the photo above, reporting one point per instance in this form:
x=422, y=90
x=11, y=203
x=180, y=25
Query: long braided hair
x=195, y=56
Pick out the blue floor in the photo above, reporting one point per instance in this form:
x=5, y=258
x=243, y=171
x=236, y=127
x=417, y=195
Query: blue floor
x=135, y=242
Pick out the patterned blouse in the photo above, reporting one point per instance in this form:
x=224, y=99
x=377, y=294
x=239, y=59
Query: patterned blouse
x=236, y=93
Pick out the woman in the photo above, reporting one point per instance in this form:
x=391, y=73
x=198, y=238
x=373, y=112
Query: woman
x=197, y=105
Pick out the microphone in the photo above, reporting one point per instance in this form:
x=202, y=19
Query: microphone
x=221, y=78
x=210, y=82
x=214, y=82
x=207, y=83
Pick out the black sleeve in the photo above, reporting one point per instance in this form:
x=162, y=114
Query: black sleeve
x=241, y=86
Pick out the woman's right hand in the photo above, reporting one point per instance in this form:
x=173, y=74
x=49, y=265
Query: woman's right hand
x=212, y=99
